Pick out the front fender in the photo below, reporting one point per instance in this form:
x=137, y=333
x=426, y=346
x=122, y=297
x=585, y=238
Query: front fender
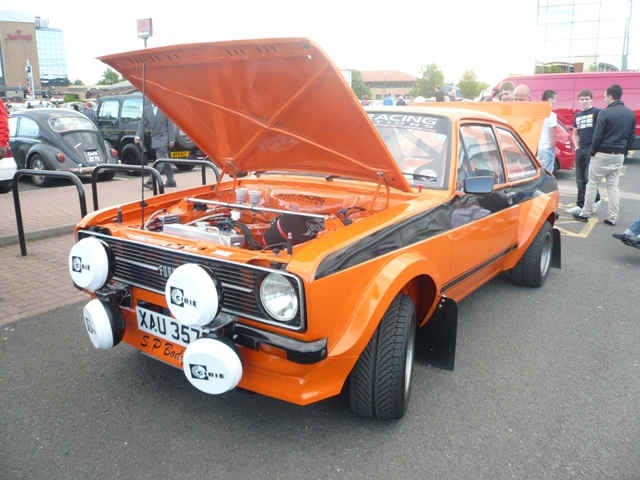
x=378, y=294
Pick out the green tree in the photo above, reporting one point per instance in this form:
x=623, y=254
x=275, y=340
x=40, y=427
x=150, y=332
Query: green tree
x=430, y=76
x=110, y=77
x=78, y=82
x=468, y=85
x=357, y=84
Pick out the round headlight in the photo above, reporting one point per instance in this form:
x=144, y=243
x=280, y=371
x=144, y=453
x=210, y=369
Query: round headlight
x=279, y=298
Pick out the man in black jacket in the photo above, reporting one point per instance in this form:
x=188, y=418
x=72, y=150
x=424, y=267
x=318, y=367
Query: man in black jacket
x=612, y=139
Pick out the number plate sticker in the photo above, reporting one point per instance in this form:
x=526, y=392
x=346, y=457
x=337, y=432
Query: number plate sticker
x=179, y=154
x=93, y=156
x=167, y=327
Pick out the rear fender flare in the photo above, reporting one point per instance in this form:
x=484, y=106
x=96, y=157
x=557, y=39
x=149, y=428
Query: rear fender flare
x=47, y=153
x=374, y=301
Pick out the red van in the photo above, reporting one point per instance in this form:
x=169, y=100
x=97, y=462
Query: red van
x=568, y=85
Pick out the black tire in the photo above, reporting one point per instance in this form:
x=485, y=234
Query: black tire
x=106, y=176
x=185, y=168
x=380, y=383
x=37, y=163
x=532, y=269
x=131, y=155
x=182, y=141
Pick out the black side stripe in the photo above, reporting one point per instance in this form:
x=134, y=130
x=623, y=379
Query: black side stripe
x=469, y=273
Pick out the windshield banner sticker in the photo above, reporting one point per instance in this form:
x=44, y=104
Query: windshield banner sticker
x=416, y=122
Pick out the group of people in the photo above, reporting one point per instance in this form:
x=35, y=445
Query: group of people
x=402, y=100
x=602, y=139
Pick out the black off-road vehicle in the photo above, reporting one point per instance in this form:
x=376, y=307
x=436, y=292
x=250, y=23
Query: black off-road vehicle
x=118, y=117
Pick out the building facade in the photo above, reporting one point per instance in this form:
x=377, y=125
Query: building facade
x=28, y=40
x=382, y=82
x=587, y=35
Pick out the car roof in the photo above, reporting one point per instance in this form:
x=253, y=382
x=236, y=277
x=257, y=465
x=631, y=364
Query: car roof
x=46, y=113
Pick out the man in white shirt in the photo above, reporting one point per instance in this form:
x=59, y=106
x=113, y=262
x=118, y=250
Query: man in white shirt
x=546, y=148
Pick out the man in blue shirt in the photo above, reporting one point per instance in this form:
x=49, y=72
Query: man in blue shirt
x=388, y=101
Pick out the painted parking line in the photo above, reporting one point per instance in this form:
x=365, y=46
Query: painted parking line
x=579, y=229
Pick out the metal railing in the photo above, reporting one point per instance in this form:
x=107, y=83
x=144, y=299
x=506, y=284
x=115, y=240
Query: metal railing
x=42, y=173
x=182, y=161
x=157, y=179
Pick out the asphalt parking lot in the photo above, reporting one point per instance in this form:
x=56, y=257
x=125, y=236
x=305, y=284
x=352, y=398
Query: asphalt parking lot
x=546, y=381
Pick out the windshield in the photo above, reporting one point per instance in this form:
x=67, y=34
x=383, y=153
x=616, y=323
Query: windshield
x=419, y=145
x=63, y=124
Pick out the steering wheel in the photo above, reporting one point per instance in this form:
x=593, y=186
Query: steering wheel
x=427, y=168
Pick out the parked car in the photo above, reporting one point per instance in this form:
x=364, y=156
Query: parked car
x=60, y=140
x=565, y=154
x=7, y=170
x=118, y=117
x=334, y=237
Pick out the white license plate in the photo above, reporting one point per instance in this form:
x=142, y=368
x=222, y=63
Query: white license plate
x=93, y=156
x=167, y=327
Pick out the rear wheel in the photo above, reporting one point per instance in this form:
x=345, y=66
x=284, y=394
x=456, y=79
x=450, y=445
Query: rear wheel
x=106, y=176
x=37, y=163
x=380, y=383
x=185, y=168
x=131, y=155
x=532, y=269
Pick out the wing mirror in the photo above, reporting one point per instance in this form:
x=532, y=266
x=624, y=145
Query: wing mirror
x=478, y=185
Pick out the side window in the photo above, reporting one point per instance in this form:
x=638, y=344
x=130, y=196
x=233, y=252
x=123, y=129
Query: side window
x=479, y=155
x=108, y=110
x=28, y=128
x=13, y=126
x=519, y=164
x=132, y=110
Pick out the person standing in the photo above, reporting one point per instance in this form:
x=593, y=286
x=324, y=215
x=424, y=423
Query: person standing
x=419, y=98
x=163, y=131
x=613, y=137
x=584, y=123
x=401, y=102
x=90, y=112
x=365, y=101
x=546, y=147
x=439, y=94
x=522, y=93
x=388, y=101
x=505, y=91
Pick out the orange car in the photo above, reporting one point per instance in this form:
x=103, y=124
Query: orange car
x=333, y=236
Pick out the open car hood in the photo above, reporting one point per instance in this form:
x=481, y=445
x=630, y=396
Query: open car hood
x=277, y=104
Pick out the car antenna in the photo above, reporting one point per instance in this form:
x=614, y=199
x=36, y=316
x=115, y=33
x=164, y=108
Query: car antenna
x=142, y=158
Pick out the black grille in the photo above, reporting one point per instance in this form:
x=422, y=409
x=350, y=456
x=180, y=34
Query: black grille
x=149, y=267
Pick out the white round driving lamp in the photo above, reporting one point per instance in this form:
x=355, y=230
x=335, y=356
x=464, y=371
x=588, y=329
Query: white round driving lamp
x=279, y=297
x=193, y=294
x=104, y=323
x=91, y=263
x=212, y=365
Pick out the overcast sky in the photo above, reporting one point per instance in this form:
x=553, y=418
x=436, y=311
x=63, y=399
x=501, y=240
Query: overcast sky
x=493, y=37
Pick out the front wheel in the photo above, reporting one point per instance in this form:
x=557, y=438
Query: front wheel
x=532, y=269
x=380, y=383
x=37, y=163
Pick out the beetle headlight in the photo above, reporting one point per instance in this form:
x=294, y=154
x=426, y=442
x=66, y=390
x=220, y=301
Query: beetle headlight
x=279, y=297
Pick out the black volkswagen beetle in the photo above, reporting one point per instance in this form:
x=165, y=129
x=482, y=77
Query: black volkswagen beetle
x=58, y=139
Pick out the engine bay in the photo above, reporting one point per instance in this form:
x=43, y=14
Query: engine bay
x=264, y=218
